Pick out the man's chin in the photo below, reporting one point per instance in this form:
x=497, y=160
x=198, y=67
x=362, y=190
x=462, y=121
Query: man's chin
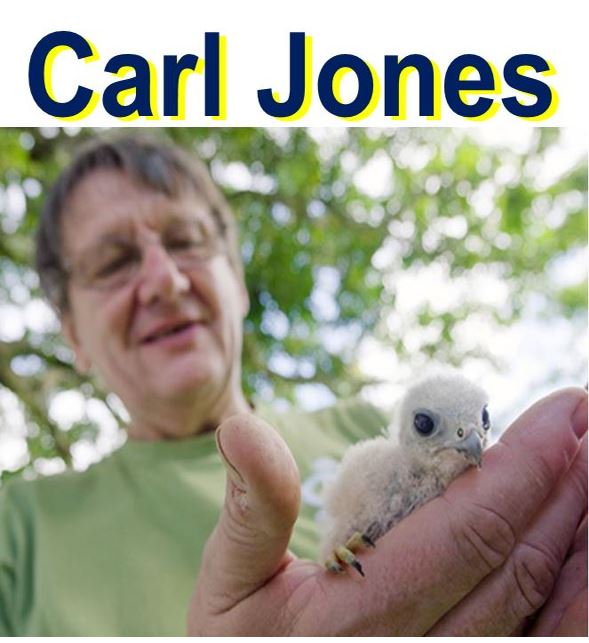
x=186, y=382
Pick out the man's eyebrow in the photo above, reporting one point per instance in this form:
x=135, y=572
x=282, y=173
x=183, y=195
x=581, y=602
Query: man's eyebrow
x=186, y=215
x=189, y=218
x=113, y=236
x=108, y=239
x=176, y=217
x=124, y=232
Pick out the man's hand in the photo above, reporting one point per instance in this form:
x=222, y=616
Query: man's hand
x=565, y=612
x=478, y=560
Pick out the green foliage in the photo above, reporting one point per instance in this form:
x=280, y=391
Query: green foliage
x=324, y=252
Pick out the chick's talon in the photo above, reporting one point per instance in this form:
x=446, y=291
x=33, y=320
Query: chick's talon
x=355, y=542
x=356, y=565
x=359, y=542
x=367, y=540
x=343, y=554
x=333, y=566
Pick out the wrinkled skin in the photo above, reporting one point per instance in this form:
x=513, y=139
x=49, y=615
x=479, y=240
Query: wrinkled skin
x=499, y=553
x=169, y=391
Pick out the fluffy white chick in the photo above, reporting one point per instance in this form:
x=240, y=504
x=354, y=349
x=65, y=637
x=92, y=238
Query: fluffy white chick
x=440, y=430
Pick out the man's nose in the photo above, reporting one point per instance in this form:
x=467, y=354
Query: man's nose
x=160, y=278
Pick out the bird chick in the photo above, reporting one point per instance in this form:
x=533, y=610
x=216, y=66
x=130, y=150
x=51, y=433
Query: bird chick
x=440, y=430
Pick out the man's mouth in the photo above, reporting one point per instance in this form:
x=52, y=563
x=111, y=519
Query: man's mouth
x=170, y=331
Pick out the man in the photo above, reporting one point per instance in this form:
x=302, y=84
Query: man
x=138, y=252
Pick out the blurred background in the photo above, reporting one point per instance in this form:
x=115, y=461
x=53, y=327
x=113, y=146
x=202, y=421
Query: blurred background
x=370, y=255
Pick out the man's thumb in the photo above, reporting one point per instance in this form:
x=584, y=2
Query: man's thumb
x=249, y=544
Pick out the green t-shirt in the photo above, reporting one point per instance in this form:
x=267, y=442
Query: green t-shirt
x=115, y=550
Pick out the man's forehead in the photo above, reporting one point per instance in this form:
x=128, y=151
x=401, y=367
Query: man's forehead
x=108, y=201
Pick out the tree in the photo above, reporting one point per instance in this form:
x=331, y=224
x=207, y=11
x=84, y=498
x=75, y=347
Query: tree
x=333, y=224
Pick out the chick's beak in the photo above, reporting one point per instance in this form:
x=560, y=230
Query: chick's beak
x=471, y=447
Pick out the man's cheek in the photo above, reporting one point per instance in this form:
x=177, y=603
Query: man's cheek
x=117, y=322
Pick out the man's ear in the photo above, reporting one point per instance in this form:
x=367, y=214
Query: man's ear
x=82, y=361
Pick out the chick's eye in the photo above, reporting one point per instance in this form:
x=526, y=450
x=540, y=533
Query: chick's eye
x=423, y=424
x=486, y=419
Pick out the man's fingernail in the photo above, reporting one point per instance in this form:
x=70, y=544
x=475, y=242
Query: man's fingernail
x=232, y=472
x=579, y=418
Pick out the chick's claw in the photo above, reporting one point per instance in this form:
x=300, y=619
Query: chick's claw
x=343, y=554
x=367, y=540
x=333, y=566
x=357, y=542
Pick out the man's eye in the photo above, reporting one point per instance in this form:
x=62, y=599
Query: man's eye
x=187, y=235
x=184, y=243
x=114, y=265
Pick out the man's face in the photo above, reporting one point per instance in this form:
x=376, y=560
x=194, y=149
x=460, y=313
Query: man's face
x=166, y=331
